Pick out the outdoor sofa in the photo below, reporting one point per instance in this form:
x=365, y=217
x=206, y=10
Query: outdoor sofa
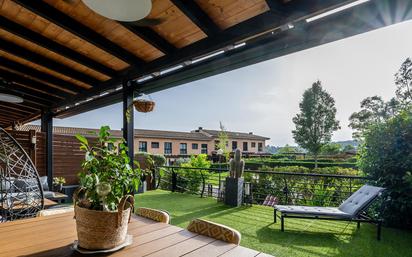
x=352, y=209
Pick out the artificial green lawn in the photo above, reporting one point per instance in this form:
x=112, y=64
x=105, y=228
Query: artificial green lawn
x=301, y=237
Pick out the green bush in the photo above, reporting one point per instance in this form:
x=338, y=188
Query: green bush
x=303, y=190
x=255, y=165
x=191, y=179
x=386, y=156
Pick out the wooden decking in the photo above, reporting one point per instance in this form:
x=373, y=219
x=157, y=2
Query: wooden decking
x=54, y=235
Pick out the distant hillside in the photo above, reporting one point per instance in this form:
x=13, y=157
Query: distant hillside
x=353, y=143
x=274, y=149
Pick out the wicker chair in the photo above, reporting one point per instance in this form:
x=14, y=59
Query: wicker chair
x=214, y=230
x=153, y=214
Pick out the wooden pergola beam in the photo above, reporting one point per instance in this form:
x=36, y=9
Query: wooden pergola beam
x=150, y=37
x=51, y=45
x=33, y=84
x=197, y=16
x=46, y=62
x=66, y=22
x=15, y=66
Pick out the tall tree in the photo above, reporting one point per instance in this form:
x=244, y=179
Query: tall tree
x=223, y=138
x=403, y=82
x=316, y=121
x=373, y=110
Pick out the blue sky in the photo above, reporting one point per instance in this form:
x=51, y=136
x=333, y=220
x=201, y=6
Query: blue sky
x=264, y=97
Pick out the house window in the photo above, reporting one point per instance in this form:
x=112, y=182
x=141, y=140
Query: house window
x=155, y=144
x=204, y=149
x=253, y=144
x=245, y=145
x=195, y=146
x=234, y=145
x=260, y=147
x=168, y=148
x=142, y=146
x=183, y=148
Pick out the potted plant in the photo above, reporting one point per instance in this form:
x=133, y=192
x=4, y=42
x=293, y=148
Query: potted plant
x=58, y=183
x=104, y=201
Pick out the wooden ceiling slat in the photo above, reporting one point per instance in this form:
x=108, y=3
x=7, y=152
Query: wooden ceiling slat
x=142, y=45
x=33, y=97
x=46, y=62
x=40, y=75
x=172, y=18
x=151, y=37
x=43, y=41
x=12, y=114
x=5, y=35
x=61, y=19
x=197, y=16
x=21, y=107
x=14, y=109
x=231, y=12
x=9, y=76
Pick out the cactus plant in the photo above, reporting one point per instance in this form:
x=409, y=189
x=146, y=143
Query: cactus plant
x=237, y=165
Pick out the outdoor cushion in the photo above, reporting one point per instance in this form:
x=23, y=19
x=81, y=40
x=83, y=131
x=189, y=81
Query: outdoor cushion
x=153, y=214
x=43, y=182
x=25, y=184
x=360, y=199
x=48, y=194
x=214, y=230
x=312, y=210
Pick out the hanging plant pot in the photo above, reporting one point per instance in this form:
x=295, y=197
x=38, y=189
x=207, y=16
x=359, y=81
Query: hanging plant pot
x=142, y=105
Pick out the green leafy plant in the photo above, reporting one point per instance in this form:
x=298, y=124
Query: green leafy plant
x=107, y=175
x=59, y=181
x=386, y=156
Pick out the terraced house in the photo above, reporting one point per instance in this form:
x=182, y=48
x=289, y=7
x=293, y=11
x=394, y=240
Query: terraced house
x=175, y=142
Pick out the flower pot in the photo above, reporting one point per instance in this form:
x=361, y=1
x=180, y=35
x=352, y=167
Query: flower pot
x=142, y=105
x=102, y=230
x=58, y=188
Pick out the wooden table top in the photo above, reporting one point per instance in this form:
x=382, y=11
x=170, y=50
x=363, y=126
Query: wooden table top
x=53, y=236
x=16, y=206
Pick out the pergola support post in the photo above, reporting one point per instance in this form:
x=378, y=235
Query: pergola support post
x=128, y=121
x=47, y=128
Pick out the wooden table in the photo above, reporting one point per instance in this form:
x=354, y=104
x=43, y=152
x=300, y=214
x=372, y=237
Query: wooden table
x=53, y=235
x=58, y=197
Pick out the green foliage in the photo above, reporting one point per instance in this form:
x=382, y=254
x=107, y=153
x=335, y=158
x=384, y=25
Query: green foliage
x=191, y=179
x=303, y=190
x=106, y=175
x=223, y=141
x=256, y=164
x=373, y=110
x=403, y=81
x=288, y=149
x=59, y=181
x=386, y=156
x=331, y=148
x=316, y=121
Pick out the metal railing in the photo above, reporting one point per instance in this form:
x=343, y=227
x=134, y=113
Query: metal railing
x=287, y=187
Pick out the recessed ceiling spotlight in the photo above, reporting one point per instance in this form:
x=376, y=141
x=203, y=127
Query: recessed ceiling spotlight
x=10, y=98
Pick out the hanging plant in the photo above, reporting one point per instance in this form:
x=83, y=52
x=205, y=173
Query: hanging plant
x=143, y=105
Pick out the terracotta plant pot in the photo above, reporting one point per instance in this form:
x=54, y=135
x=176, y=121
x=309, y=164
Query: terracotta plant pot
x=144, y=105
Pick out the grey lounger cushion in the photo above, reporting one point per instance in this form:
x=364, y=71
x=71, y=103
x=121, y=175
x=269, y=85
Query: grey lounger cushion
x=360, y=199
x=312, y=211
x=348, y=209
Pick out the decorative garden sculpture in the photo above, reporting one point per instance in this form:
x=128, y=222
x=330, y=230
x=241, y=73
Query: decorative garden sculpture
x=237, y=165
x=234, y=183
x=21, y=193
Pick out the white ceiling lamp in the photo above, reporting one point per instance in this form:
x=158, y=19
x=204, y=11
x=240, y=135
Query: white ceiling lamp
x=10, y=98
x=121, y=10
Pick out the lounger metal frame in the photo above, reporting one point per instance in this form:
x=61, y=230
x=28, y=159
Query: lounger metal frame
x=361, y=217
